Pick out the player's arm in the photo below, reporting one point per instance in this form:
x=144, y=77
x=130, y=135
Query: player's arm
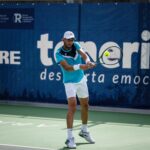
x=86, y=58
x=68, y=67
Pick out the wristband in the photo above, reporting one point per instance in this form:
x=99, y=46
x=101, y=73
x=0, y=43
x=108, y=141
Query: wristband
x=76, y=67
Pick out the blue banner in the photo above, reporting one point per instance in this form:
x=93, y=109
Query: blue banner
x=11, y=18
x=31, y=34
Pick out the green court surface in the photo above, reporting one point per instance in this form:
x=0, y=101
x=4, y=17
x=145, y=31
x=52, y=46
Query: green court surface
x=37, y=128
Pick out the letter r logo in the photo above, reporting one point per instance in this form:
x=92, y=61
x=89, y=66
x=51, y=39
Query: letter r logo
x=17, y=18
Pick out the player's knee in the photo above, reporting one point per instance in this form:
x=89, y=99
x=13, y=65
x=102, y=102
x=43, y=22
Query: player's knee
x=72, y=106
x=85, y=105
x=72, y=109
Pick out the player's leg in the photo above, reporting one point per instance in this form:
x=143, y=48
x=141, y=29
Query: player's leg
x=84, y=109
x=71, y=96
x=82, y=92
x=71, y=110
x=84, y=117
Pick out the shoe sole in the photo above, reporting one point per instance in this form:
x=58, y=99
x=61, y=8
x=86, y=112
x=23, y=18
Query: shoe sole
x=70, y=147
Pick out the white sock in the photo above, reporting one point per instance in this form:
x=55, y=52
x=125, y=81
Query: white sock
x=69, y=133
x=84, y=128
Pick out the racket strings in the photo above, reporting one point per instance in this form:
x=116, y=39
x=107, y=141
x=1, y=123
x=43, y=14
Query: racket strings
x=114, y=57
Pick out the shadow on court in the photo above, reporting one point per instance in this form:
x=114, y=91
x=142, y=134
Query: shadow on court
x=95, y=117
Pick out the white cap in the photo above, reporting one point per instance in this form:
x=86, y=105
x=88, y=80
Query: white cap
x=69, y=35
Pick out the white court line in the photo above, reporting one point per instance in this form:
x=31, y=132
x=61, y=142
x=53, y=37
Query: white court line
x=13, y=145
x=30, y=117
x=64, y=106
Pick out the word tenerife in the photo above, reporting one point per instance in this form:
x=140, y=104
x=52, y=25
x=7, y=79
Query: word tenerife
x=128, y=50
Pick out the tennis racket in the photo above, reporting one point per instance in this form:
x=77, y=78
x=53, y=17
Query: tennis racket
x=110, y=56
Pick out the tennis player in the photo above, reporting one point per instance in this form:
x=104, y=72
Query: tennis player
x=69, y=58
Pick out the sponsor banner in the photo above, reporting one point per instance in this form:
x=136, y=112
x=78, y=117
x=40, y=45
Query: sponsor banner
x=28, y=69
x=11, y=18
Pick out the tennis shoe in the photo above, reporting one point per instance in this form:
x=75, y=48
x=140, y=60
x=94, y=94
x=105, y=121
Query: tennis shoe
x=71, y=143
x=86, y=136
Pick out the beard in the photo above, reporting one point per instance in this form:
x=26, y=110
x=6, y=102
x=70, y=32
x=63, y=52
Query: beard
x=68, y=46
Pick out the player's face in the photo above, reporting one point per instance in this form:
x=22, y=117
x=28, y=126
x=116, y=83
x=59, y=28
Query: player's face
x=68, y=43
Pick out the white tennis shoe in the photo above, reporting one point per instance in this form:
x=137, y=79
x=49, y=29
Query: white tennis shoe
x=87, y=136
x=71, y=143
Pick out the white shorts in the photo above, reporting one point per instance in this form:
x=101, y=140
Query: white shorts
x=80, y=89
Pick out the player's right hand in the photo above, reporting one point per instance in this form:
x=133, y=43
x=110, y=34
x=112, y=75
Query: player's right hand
x=87, y=66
